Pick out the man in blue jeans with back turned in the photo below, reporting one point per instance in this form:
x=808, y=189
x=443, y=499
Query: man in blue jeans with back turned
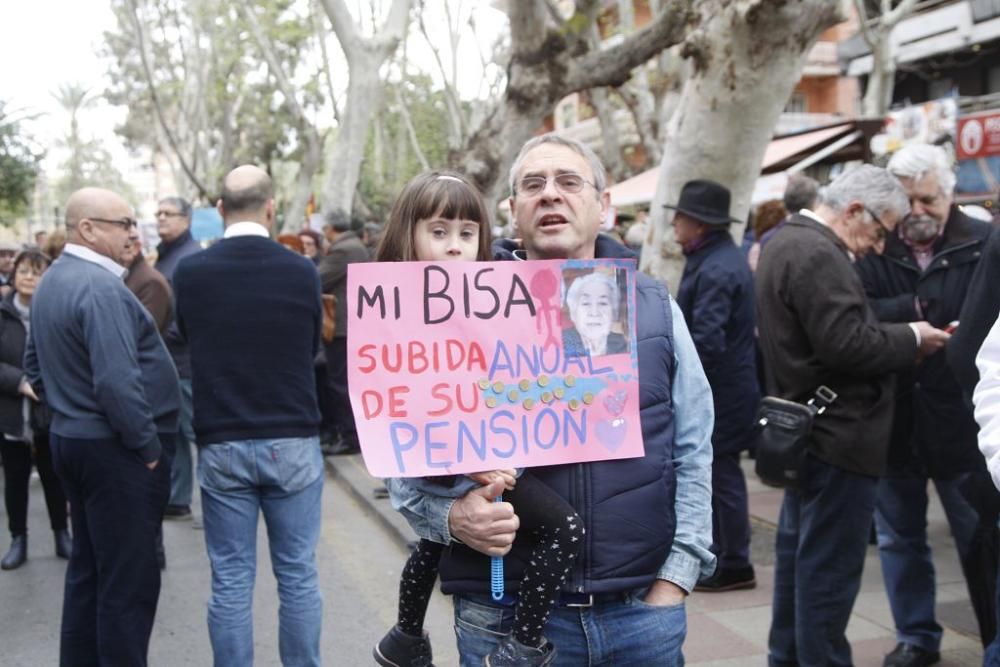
x=251, y=312
x=648, y=520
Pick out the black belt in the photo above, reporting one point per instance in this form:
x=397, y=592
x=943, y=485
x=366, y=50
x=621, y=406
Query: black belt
x=590, y=599
x=570, y=600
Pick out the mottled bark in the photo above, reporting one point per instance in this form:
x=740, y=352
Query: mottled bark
x=877, y=34
x=365, y=57
x=547, y=63
x=746, y=57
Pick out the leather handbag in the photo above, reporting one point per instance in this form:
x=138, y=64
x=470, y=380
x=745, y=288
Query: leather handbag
x=329, y=317
x=783, y=431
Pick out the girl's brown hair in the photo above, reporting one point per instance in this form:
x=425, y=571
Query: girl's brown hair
x=433, y=194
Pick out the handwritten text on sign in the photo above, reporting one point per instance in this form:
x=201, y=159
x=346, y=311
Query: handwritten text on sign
x=459, y=367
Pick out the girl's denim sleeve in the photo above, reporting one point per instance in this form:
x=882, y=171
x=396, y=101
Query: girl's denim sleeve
x=425, y=511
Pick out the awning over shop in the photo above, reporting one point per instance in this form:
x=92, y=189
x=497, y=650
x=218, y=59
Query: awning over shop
x=790, y=153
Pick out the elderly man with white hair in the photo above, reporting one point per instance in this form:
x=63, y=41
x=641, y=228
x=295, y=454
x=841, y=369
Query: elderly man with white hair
x=817, y=329
x=924, y=273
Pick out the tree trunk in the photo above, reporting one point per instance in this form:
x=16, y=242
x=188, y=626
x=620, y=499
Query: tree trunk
x=547, y=63
x=365, y=56
x=746, y=59
x=882, y=79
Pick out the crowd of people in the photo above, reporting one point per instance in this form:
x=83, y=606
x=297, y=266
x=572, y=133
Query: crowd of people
x=124, y=380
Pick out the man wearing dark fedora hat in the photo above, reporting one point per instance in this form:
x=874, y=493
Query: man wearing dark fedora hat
x=716, y=297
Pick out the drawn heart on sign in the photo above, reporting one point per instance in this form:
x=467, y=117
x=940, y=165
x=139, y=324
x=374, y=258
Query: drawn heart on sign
x=611, y=433
x=615, y=403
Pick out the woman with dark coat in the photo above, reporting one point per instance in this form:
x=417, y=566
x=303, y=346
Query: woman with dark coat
x=24, y=421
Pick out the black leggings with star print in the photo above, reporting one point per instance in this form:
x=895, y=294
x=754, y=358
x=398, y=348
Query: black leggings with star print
x=557, y=533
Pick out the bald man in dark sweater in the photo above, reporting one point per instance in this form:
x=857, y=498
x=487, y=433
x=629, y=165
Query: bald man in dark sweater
x=250, y=310
x=95, y=353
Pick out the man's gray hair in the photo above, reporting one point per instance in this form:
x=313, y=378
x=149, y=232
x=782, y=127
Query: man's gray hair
x=182, y=205
x=338, y=220
x=601, y=278
x=917, y=160
x=877, y=189
x=800, y=193
x=600, y=176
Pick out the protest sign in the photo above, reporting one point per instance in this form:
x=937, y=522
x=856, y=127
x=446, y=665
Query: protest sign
x=458, y=367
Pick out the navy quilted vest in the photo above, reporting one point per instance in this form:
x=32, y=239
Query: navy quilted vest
x=627, y=505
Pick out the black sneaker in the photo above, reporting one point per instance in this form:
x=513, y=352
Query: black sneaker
x=512, y=653
x=177, y=513
x=398, y=649
x=728, y=579
x=910, y=655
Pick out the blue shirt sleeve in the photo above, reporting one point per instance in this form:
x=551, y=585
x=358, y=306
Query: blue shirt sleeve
x=691, y=557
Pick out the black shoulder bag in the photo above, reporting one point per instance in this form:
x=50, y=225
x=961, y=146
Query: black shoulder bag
x=783, y=430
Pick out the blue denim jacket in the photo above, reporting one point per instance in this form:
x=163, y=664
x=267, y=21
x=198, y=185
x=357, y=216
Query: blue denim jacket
x=690, y=556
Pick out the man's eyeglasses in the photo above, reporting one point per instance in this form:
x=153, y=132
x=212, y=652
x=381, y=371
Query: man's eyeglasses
x=168, y=214
x=568, y=183
x=882, y=231
x=124, y=223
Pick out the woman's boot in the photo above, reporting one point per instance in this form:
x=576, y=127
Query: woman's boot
x=64, y=543
x=18, y=553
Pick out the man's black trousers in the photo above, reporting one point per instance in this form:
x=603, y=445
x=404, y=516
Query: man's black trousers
x=113, y=579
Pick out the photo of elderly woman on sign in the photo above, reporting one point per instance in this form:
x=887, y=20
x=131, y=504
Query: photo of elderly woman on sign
x=592, y=314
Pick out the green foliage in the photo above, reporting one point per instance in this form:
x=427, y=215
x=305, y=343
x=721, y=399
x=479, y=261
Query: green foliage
x=429, y=115
x=216, y=94
x=18, y=167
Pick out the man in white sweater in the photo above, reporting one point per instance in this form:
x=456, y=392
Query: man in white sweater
x=987, y=401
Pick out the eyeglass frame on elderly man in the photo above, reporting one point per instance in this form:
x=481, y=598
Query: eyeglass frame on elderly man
x=125, y=223
x=561, y=187
x=883, y=231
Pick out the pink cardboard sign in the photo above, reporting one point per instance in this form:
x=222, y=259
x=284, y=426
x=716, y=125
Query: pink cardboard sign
x=459, y=367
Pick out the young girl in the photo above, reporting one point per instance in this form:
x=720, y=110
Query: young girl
x=440, y=216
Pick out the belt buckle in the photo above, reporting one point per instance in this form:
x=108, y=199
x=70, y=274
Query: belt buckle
x=588, y=603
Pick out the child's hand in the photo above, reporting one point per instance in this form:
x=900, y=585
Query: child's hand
x=509, y=477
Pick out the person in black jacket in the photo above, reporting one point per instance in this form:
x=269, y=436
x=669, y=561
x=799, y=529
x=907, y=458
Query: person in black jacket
x=24, y=420
x=817, y=329
x=716, y=297
x=924, y=274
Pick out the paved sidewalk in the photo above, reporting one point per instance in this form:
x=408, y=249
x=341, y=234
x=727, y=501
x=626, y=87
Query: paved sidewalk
x=731, y=628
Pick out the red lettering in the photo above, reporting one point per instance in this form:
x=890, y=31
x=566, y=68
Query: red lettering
x=396, y=402
x=392, y=365
x=439, y=392
x=366, y=353
x=475, y=398
x=366, y=397
x=477, y=358
x=417, y=353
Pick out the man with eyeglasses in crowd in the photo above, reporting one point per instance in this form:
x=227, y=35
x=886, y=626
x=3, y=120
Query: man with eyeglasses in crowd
x=96, y=356
x=924, y=273
x=818, y=330
x=623, y=602
x=173, y=224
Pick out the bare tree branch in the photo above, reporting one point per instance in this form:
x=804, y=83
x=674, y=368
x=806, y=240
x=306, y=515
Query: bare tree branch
x=611, y=67
x=140, y=37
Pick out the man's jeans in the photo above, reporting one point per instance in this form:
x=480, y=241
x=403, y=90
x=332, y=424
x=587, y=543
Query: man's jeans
x=181, y=475
x=284, y=479
x=907, y=569
x=629, y=632
x=819, y=555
